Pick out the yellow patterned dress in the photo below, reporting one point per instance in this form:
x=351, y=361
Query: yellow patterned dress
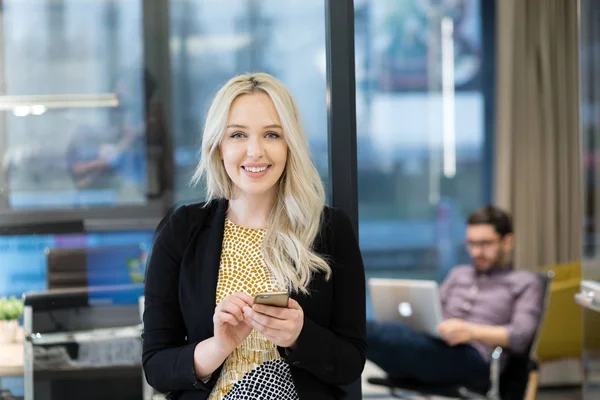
x=254, y=369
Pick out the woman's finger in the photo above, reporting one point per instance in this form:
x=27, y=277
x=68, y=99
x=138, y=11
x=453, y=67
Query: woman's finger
x=270, y=322
x=265, y=330
x=273, y=339
x=233, y=309
x=293, y=304
x=245, y=297
x=235, y=299
x=263, y=319
x=224, y=317
x=275, y=312
x=258, y=321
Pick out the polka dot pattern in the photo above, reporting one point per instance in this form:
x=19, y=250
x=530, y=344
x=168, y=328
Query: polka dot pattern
x=243, y=269
x=242, y=265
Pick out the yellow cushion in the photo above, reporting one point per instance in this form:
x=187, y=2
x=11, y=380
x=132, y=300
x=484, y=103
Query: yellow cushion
x=565, y=271
x=561, y=333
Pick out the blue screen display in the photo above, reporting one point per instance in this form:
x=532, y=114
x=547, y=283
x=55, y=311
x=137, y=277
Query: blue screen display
x=115, y=274
x=112, y=259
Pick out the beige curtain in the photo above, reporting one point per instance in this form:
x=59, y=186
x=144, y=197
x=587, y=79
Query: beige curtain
x=537, y=131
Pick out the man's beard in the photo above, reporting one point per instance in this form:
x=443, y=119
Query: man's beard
x=486, y=264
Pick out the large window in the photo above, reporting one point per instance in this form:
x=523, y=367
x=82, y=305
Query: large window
x=420, y=133
x=73, y=97
x=213, y=40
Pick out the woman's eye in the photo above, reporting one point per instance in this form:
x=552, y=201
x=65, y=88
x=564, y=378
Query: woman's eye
x=272, y=135
x=237, y=135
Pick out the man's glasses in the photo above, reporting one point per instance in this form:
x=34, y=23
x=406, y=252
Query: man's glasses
x=482, y=244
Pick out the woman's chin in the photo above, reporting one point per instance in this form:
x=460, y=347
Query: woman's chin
x=257, y=190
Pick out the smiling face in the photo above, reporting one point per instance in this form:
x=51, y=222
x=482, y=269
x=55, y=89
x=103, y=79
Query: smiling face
x=254, y=150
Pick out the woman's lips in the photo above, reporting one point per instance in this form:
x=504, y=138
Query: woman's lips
x=256, y=175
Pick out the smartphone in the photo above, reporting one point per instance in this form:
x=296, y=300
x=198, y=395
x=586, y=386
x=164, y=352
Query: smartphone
x=275, y=299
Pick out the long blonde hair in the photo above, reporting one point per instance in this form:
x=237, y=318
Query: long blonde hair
x=296, y=214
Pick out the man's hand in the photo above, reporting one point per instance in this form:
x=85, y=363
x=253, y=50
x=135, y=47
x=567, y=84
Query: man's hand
x=455, y=331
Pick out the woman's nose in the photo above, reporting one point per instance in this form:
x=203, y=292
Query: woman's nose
x=255, y=148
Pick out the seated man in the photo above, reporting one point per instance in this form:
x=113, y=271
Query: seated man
x=485, y=305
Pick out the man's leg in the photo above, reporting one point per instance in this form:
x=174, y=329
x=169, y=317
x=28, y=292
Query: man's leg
x=404, y=353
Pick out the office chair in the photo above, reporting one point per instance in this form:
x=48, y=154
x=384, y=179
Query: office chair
x=518, y=379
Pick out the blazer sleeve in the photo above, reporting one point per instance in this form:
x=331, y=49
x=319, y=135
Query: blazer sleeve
x=167, y=358
x=336, y=354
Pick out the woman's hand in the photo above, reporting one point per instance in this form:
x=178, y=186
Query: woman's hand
x=231, y=325
x=282, y=326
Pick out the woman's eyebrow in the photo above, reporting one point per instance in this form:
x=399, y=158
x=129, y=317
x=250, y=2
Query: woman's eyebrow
x=273, y=126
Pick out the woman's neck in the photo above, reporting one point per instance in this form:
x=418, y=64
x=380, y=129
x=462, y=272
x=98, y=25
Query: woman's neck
x=250, y=211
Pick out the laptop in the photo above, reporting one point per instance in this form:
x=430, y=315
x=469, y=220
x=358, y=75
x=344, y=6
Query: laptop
x=415, y=303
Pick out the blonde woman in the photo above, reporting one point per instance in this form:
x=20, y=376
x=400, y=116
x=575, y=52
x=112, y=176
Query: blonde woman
x=264, y=229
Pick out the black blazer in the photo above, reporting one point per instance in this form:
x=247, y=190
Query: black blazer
x=180, y=296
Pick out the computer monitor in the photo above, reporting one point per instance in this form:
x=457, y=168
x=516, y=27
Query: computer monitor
x=24, y=261
x=114, y=274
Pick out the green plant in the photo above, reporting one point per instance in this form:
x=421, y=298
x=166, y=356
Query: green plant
x=10, y=308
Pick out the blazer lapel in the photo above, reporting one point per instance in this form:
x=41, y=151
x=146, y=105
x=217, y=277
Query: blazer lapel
x=210, y=243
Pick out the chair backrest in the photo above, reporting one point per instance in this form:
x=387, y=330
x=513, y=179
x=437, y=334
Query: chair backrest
x=66, y=268
x=514, y=378
x=546, y=278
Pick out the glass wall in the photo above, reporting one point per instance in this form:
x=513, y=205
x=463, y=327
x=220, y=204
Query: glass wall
x=72, y=129
x=213, y=40
x=420, y=133
x=79, y=104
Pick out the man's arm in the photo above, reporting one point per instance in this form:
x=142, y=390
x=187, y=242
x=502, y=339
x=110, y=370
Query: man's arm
x=490, y=335
x=456, y=331
x=526, y=315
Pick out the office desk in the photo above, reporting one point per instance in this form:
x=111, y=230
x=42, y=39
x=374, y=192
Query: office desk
x=12, y=358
